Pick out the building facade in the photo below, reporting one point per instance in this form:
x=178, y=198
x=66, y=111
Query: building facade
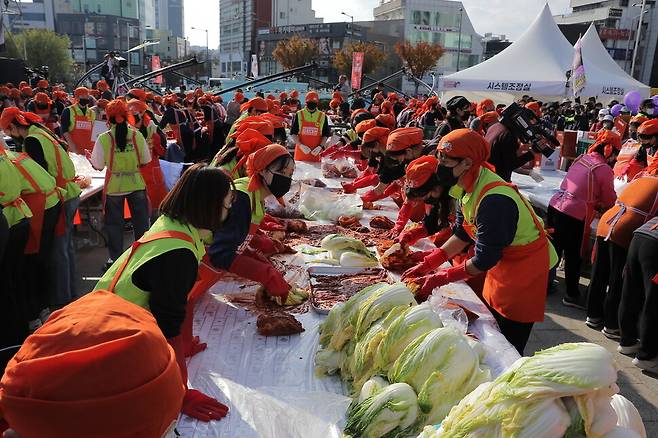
x=293, y=12
x=331, y=38
x=38, y=14
x=436, y=21
x=493, y=45
x=617, y=24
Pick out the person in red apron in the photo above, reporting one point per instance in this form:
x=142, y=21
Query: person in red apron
x=212, y=124
x=123, y=151
x=587, y=188
x=156, y=189
x=310, y=130
x=376, y=106
x=44, y=108
x=159, y=271
x=78, y=122
x=511, y=245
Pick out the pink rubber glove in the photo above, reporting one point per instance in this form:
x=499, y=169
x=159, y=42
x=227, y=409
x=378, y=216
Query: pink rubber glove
x=200, y=406
x=441, y=278
x=431, y=262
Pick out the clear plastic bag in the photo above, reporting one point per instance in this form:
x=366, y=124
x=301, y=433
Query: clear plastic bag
x=341, y=168
x=318, y=204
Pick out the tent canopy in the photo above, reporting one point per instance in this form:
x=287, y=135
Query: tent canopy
x=604, y=78
x=535, y=64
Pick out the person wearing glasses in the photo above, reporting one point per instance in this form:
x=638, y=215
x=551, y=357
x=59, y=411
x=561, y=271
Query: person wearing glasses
x=160, y=269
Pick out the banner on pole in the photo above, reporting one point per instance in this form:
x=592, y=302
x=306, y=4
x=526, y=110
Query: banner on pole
x=357, y=69
x=578, y=79
x=155, y=65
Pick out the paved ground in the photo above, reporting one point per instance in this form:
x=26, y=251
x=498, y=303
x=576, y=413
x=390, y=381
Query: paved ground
x=562, y=324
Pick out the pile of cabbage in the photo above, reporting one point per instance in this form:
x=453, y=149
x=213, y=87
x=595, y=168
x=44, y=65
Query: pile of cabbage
x=566, y=391
x=405, y=368
x=344, y=251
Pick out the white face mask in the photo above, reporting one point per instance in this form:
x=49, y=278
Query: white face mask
x=650, y=111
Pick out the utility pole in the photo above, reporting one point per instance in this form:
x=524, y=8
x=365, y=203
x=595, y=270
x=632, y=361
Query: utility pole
x=637, y=37
x=459, y=44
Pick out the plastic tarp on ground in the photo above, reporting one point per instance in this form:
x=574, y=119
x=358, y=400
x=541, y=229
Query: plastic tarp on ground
x=604, y=78
x=535, y=64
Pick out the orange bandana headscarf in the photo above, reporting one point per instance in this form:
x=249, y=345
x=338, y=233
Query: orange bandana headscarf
x=248, y=142
x=420, y=170
x=466, y=143
x=259, y=160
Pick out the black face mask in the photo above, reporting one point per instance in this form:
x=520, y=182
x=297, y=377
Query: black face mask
x=17, y=140
x=83, y=102
x=42, y=105
x=312, y=106
x=280, y=185
x=634, y=135
x=137, y=118
x=446, y=176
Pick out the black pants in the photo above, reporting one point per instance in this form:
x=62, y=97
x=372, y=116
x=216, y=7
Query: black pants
x=114, y=222
x=517, y=333
x=38, y=282
x=606, y=273
x=567, y=240
x=638, y=310
x=13, y=322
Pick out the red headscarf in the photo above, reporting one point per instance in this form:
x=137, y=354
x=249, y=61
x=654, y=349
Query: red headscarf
x=420, y=170
x=248, y=142
x=610, y=139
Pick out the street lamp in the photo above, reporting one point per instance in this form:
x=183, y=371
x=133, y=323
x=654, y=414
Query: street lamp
x=351, y=26
x=207, y=52
x=459, y=44
x=628, y=46
x=637, y=36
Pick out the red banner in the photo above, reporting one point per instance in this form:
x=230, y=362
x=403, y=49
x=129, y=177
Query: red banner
x=357, y=70
x=608, y=33
x=155, y=65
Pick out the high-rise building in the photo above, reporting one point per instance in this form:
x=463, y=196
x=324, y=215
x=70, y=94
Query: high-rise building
x=239, y=21
x=170, y=14
x=293, y=12
x=436, y=21
x=617, y=24
x=20, y=15
x=147, y=15
x=493, y=45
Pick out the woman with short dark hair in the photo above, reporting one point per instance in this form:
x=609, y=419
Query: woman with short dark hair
x=159, y=270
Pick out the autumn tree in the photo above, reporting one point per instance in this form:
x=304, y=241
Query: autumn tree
x=43, y=47
x=373, y=57
x=419, y=58
x=295, y=52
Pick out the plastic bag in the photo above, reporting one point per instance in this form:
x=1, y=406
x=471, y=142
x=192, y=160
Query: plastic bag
x=341, y=168
x=318, y=204
x=451, y=316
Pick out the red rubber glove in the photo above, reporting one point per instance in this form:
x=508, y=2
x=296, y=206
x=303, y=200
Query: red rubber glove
x=441, y=237
x=409, y=237
x=269, y=218
x=366, y=181
x=200, y=406
x=432, y=261
x=195, y=347
x=392, y=189
x=441, y=278
x=348, y=188
x=342, y=153
x=261, y=272
x=330, y=150
x=372, y=196
x=264, y=244
x=402, y=219
x=419, y=256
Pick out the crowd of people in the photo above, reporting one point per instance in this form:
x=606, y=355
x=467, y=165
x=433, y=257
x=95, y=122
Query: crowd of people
x=448, y=165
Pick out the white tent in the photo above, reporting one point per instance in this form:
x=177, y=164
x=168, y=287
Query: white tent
x=604, y=78
x=535, y=64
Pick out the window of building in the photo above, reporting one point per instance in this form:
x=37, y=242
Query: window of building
x=425, y=20
x=282, y=15
x=415, y=17
x=623, y=3
x=452, y=40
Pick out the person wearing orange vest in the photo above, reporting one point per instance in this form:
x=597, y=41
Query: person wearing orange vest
x=44, y=108
x=631, y=159
x=637, y=204
x=511, y=245
x=100, y=367
x=123, y=151
x=78, y=122
x=310, y=130
x=587, y=188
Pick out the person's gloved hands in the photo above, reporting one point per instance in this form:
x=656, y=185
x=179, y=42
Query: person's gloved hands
x=418, y=256
x=411, y=236
x=372, y=196
x=317, y=151
x=201, y=407
x=430, y=262
x=305, y=149
x=267, y=225
x=264, y=244
x=261, y=271
x=330, y=150
x=441, y=278
x=342, y=153
x=348, y=187
x=295, y=297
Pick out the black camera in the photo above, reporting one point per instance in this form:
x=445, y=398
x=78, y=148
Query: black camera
x=529, y=129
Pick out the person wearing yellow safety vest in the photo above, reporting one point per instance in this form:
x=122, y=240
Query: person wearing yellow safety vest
x=40, y=144
x=13, y=325
x=237, y=247
x=41, y=194
x=511, y=245
x=159, y=270
x=310, y=130
x=123, y=151
x=78, y=122
x=233, y=155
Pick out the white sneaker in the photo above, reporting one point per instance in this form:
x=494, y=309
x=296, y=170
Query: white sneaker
x=650, y=366
x=613, y=334
x=628, y=350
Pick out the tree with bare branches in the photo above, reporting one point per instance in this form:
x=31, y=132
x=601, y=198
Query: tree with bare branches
x=295, y=52
x=419, y=58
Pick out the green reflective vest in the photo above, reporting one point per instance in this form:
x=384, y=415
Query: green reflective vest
x=45, y=183
x=255, y=199
x=123, y=167
x=14, y=208
x=125, y=287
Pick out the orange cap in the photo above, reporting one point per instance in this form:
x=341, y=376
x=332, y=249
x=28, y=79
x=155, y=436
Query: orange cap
x=294, y=94
x=238, y=97
x=81, y=92
x=378, y=134
x=81, y=366
x=148, y=96
x=41, y=97
x=283, y=95
x=650, y=127
x=15, y=93
x=259, y=160
x=387, y=120
x=485, y=106
x=334, y=103
x=378, y=96
x=610, y=139
x=312, y=96
x=42, y=83
x=102, y=103
x=202, y=101
x=420, y=170
x=277, y=122
x=137, y=106
x=363, y=126
x=26, y=91
x=393, y=97
x=102, y=85
x=337, y=95
x=198, y=92
x=12, y=115
x=258, y=123
x=117, y=110
x=466, y=143
x=490, y=117
x=158, y=99
x=534, y=106
x=257, y=103
x=404, y=138
x=387, y=107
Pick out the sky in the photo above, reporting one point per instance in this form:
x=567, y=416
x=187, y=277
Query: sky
x=509, y=17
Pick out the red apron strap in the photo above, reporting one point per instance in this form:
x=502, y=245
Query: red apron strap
x=146, y=239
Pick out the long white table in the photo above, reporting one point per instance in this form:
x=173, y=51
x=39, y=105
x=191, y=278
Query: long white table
x=269, y=383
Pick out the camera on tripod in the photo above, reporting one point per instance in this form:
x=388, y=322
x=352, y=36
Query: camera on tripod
x=119, y=61
x=529, y=129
